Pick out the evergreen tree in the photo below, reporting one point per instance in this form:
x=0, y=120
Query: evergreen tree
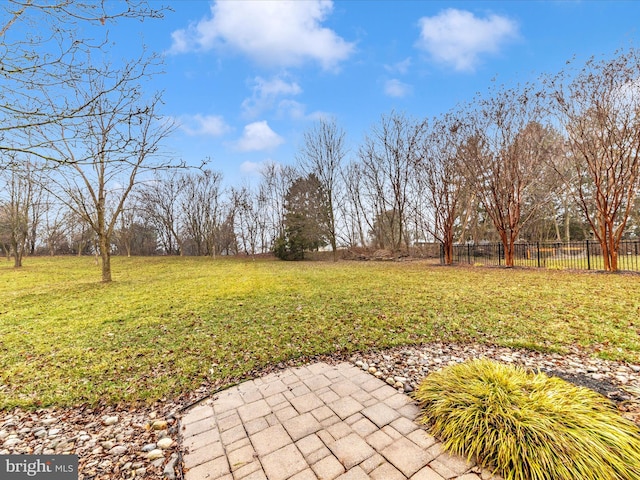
x=306, y=219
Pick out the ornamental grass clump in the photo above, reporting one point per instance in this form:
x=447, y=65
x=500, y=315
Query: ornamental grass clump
x=528, y=426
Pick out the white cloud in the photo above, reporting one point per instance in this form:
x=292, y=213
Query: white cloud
x=266, y=92
x=258, y=136
x=396, y=88
x=458, y=38
x=207, y=125
x=292, y=109
x=401, y=67
x=252, y=168
x=298, y=111
x=270, y=32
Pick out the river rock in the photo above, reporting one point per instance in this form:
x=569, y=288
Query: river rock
x=10, y=442
x=169, y=470
x=159, y=425
x=154, y=454
x=107, y=445
x=165, y=443
x=118, y=450
x=112, y=420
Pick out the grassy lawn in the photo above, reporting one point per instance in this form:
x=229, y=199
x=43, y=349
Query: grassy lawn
x=166, y=325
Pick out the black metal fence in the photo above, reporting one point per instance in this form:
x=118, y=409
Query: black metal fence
x=585, y=255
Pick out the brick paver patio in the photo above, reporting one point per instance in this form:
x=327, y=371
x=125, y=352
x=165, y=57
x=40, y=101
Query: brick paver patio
x=316, y=422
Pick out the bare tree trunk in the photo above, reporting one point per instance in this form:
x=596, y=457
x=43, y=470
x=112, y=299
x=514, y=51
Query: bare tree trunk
x=105, y=256
x=448, y=247
x=17, y=255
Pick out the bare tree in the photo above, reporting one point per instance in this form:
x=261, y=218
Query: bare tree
x=202, y=210
x=547, y=206
x=81, y=235
x=443, y=178
x=389, y=157
x=159, y=200
x=321, y=155
x=599, y=109
x=503, y=154
x=41, y=57
x=21, y=191
x=54, y=229
x=101, y=156
x=124, y=234
x=135, y=234
x=250, y=219
x=274, y=185
x=353, y=210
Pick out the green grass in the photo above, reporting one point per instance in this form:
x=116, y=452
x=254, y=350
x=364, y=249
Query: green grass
x=528, y=426
x=166, y=325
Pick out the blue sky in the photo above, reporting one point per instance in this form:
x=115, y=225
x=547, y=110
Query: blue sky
x=245, y=79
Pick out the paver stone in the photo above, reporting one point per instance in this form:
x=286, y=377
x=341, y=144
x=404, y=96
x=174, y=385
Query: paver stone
x=345, y=407
x=283, y=463
x=351, y=450
x=328, y=468
x=386, y=472
x=309, y=444
x=380, y=414
x=301, y=426
x=305, y=475
x=306, y=402
x=406, y=456
x=212, y=470
x=254, y=410
x=427, y=473
x=270, y=440
x=354, y=474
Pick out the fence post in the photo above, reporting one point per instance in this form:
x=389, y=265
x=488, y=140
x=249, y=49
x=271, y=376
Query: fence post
x=499, y=253
x=538, y=248
x=588, y=257
x=468, y=254
x=442, y=254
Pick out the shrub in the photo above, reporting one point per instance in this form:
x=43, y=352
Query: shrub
x=528, y=426
x=288, y=248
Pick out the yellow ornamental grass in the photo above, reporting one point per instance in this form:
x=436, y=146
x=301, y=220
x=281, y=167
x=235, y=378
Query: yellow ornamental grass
x=528, y=426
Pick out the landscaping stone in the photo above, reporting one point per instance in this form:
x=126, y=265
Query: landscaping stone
x=133, y=426
x=118, y=450
x=110, y=420
x=165, y=443
x=153, y=454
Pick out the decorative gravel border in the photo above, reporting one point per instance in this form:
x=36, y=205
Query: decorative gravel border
x=405, y=367
x=125, y=442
